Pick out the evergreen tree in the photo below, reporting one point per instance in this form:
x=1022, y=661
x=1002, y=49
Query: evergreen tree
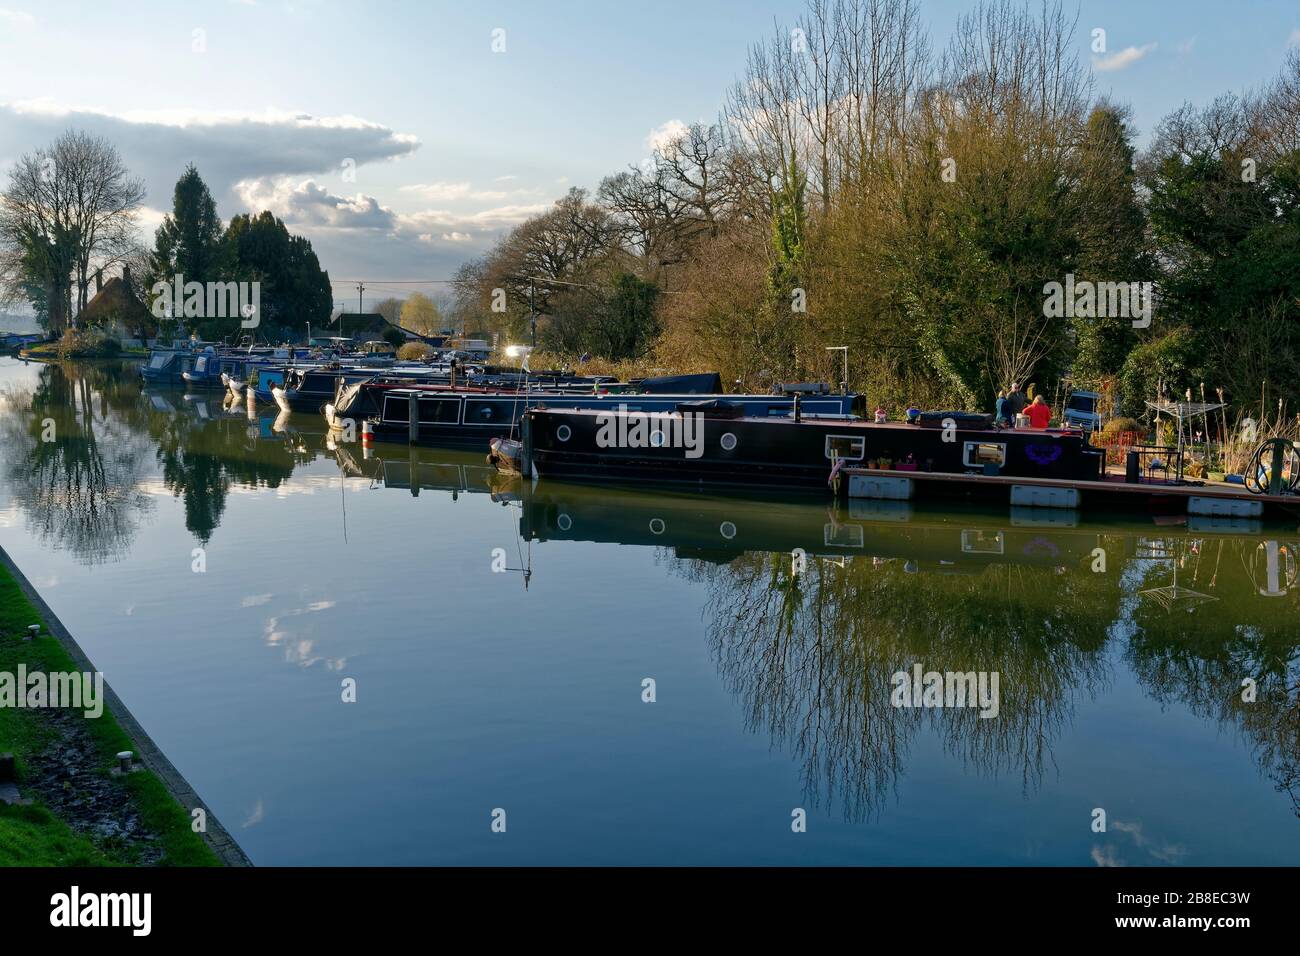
x=189, y=240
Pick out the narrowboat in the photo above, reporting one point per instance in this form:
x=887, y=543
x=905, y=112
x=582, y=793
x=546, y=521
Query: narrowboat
x=724, y=443
x=215, y=370
x=167, y=366
x=471, y=418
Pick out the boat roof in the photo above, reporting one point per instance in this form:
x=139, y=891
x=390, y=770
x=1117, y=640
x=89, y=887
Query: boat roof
x=855, y=423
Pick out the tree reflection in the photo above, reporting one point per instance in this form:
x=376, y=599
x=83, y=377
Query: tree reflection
x=813, y=654
x=71, y=466
x=1235, y=660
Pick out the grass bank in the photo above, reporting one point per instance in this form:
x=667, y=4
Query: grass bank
x=82, y=813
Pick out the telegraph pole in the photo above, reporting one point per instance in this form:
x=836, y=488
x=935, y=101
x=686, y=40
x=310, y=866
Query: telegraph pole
x=361, y=291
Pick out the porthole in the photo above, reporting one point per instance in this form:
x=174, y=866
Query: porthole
x=563, y=521
x=657, y=439
x=728, y=441
x=727, y=530
x=563, y=433
x=657, y=526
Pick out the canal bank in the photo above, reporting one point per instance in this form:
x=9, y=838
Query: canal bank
x=77, y=806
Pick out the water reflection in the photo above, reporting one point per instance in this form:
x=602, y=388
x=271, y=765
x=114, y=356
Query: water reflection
x=75, y=456
x=810, y=646
x=809, y=608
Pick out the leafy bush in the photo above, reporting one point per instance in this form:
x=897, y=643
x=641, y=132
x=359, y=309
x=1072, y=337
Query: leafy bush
x=86, y=343
x=1121, y=423
x=414, y=352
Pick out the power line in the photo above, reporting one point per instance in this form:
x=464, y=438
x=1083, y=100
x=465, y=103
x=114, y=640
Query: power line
x=389, y=281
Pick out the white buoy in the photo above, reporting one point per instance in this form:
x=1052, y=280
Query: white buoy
x=329, y=414
x=280, y=398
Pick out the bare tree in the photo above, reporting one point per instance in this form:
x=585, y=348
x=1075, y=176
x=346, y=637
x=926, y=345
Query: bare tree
x=68, y=211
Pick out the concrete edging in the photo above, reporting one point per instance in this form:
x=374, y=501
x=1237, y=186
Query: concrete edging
x=217, y=836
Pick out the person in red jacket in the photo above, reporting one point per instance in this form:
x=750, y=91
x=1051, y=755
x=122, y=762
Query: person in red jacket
x=1039, y=412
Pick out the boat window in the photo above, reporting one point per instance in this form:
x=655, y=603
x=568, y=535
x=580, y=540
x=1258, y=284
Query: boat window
x=397, y=408
x=201, y=363
x=491, y=411
x=158, y=361
x=780, y=411
x=845, y=447
x=439, y=411
x=977, y=454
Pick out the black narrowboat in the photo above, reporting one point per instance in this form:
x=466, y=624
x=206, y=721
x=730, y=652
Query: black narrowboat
x=471, y=419
x=715, y=443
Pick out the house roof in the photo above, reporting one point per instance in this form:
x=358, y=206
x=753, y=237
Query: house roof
x=114, y=302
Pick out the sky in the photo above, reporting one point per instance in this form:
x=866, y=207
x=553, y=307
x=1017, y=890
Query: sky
x=403, y=138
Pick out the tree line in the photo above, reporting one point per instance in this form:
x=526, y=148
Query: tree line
x=69, y=213
x=862, y=188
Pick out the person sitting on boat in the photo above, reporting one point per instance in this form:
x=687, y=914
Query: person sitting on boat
x=881, y=417
x=1000, y=411
x=913, y=415
x=1016, y=402
x=1039, y=412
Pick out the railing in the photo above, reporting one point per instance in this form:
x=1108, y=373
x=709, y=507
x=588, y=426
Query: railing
x=1116, y=444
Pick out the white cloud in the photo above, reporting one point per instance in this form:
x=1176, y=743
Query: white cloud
x=16, y=18
x=310, y=204
x=231, y=147
x=307, y=203
x=663, y=134
x=444, y=192
x=439, y=191
x=456, y=237
x=1124, y=58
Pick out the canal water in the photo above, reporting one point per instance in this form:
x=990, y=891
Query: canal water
x=233, y=574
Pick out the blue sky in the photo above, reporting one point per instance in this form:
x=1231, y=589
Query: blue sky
x=452, y=142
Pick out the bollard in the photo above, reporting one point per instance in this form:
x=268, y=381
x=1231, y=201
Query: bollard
x=33, y=630
x=124, y=761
